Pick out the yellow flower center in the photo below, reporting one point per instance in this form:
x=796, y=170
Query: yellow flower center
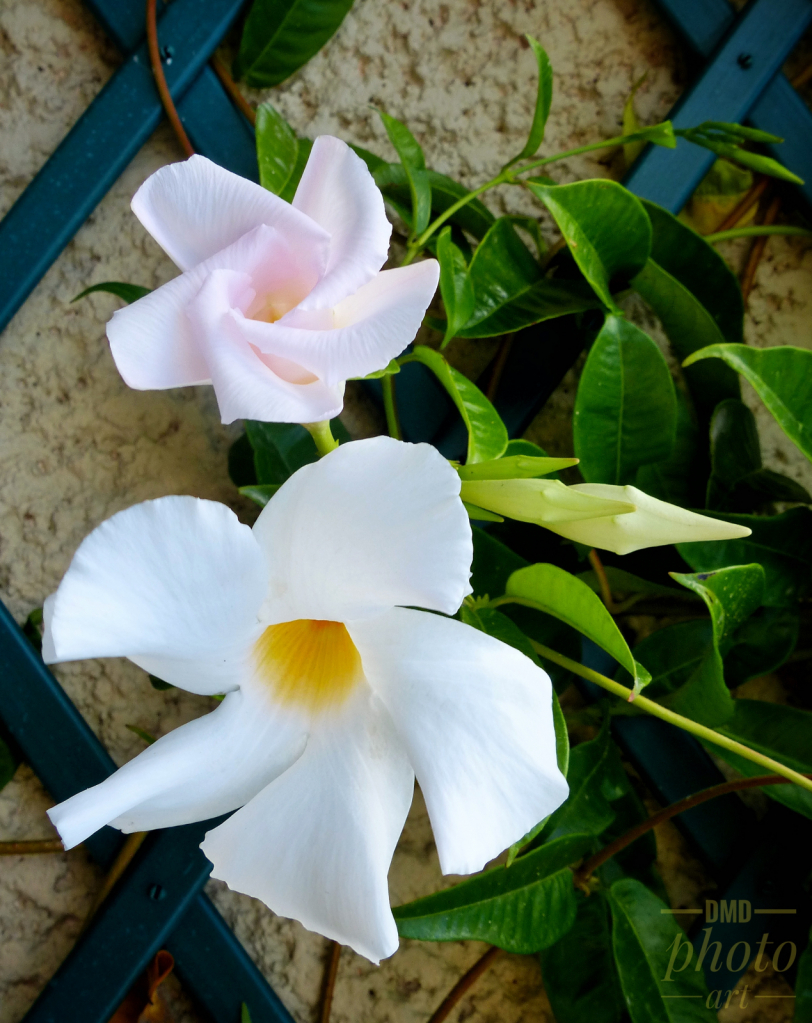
x=313, y=665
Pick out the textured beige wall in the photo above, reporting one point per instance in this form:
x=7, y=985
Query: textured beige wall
x=76, y=445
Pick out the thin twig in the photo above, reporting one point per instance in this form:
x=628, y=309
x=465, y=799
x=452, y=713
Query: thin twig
x=802, y=77
x=160, y=79
x=591, y=865
x=120, y=864
x=757, y=251
x=603, y=581
x=499, y=366
x=328, y=988
x=464, y=983
x=747, y=203
x=232, y=89
x=32, y=848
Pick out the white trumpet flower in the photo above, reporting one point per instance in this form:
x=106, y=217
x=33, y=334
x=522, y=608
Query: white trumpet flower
x=279, y=303
x=338, y=691
x=618, y=519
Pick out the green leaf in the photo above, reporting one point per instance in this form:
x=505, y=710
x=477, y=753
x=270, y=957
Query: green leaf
x=509, y=289
x=625, y=583
x=414, y=163
x=456, y=287
x=128, y=292
x=280, y=36
x=474, y=218
x=159, y=684
x=514, y=467
x=631, y=124
x=672, y=655
x=738, y=482
x=279, y=449
x=722, y=138
x=731, y=595
x=389, y=370
x=487, y=436
x=781, y=544
x=680, y=478
x=580, y=977
x=280, y=154
x=544, y=97
x=761, y=644
x=147, y=738
x=626, y=406
x=245, y=1015
x=260, y=493
x=643, y=937
x=588, y=214
x=493, y=565
x=778, y=731
x=522, y=908
x=554, y=591
x=782, y=378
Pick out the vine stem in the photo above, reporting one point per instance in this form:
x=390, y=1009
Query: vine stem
x=390, y=407
x=757, y=231
x=603, y=581
x=747, y=203
x=228, y=83
x=330, y=975
x=464, y=983
x=590, y=865
x=120, y=864
x=31, y=848
x=749, y=276
x=323, y=436
x=160, y=79
x=657, y=710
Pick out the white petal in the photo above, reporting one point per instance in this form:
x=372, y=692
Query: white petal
x=652, y=523
x=152, y=341
x=338, y=193
x=203, y=769
x=248, y=384
x=195, y=208
x=173, y=578
x=373, y=524
x=362, y=333
x=476, y=718
x=316, y=844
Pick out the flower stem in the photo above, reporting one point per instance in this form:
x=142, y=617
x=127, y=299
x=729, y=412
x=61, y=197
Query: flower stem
x=323, y=436
x=757, y=230
x=418, y=243
x=390, y=407
x=160, y=80
x=658, y=711
x=464, y=983
x=30, y=848
x=329, y=982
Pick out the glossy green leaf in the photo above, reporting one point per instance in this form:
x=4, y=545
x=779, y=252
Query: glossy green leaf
x=738, y=482
x=456, y=287
x=779, y=732
x=761, y=644
x=493, y=565
x=159, y=684
x=279, y=449
x=782, y=377
x=624, y=583
x=626, y=406
x=414, y=163
x=588, y=214
x=544, y=97
x=245, y=1015
x=392, y=367
x=509, y=290
x=672, y=654
x=643, y=938
x=731, y=595
x=580, y=977
x=781, y=544
x=280, y=154
x=487, y=436
x=474, y=218
x=680, y=478
x=514, y=467
x=127, y=292
x=280, y=36
x=260, y=493
x=556, y=592
x=522, y=908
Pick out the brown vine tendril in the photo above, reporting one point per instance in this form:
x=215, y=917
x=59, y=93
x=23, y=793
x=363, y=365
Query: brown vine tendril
x=589, y=866
x=120, y=864
x=31, y=848
x=464, y=983
x=747, y=203
x=330, y=974
x=603, y=581
x=228, y=83
x=160, y=79
x=500, y=362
